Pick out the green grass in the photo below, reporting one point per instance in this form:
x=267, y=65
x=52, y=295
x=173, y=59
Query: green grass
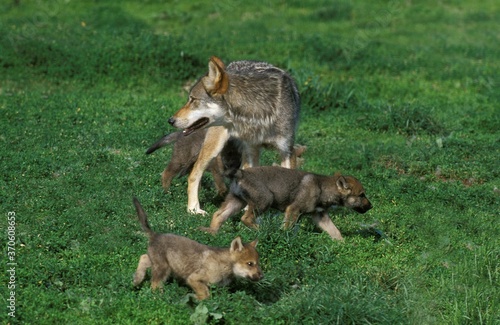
x=402, y=95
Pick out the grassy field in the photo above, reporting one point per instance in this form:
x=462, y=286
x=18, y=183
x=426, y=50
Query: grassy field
x=400, y=94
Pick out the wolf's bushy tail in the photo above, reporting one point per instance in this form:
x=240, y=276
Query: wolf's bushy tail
x=143, y=218
x=165, y=140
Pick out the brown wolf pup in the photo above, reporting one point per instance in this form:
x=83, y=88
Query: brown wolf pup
x=185, y=153
x=197, y=264
x=292, y=191
x=254, y=102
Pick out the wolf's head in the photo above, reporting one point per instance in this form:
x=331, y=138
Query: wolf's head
x=205, y=105
x=245, y=260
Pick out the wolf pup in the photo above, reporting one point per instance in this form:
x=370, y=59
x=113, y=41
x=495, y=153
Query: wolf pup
x=197, y=264
x=185, y=153
x=292, y=191
x=254, y=102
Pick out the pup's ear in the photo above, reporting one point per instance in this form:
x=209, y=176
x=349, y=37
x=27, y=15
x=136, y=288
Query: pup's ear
x=299, y=150
x=254, y=243
x=216, y=82
x=236, y=245
x=342, y=184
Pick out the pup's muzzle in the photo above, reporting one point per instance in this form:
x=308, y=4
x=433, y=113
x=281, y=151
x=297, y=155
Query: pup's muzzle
x=256, y=277
x=364, y=208
x=171, y=121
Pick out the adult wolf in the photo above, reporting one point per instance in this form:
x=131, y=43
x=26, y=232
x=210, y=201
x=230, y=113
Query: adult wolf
x=255, y=102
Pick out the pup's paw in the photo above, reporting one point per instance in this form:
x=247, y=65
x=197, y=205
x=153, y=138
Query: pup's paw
x=286, y=226
x=208, y=229
x=137, y=281
x=253, y=226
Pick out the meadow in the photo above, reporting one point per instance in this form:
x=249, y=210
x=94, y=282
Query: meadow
x=403, y=95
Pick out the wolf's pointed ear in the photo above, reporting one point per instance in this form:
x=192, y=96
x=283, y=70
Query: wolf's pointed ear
x=342, y=184
x=254, y=243
x=216, y=82
x=236, y=245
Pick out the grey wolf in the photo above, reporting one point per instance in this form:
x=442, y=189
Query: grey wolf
x=197, y=264
x=185, y=153
x=254, y=102
x=293, y=191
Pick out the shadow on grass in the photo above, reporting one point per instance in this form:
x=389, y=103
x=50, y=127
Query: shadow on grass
x=370, y=231
x=266, y=291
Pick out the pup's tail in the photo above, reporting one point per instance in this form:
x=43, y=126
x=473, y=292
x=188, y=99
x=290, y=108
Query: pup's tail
x=165, y=140
x=143, y=218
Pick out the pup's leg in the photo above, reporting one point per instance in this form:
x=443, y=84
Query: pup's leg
x=292, y=213
x=144, y=264
x=260, y=200
x=159, y=273
x=231, y=205
x=216, y=167
x=249, y=217
x=303, y=202
x=196, y=282
x=214, y=142
x=324, y=222
x=167, y=176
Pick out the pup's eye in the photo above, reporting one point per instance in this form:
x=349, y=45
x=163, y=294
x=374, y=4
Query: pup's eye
x=251, y=264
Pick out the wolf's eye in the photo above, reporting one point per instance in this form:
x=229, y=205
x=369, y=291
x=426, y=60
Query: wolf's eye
x=251, y=264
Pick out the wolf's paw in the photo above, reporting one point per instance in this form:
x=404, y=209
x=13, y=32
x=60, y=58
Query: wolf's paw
x=197, y=211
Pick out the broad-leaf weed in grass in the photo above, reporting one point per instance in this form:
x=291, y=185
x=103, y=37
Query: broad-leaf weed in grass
x=398, y=94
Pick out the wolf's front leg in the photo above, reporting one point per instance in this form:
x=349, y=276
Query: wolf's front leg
x=215, y=140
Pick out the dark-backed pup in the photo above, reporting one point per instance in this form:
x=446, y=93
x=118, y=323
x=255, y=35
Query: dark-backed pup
x=293, y=191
